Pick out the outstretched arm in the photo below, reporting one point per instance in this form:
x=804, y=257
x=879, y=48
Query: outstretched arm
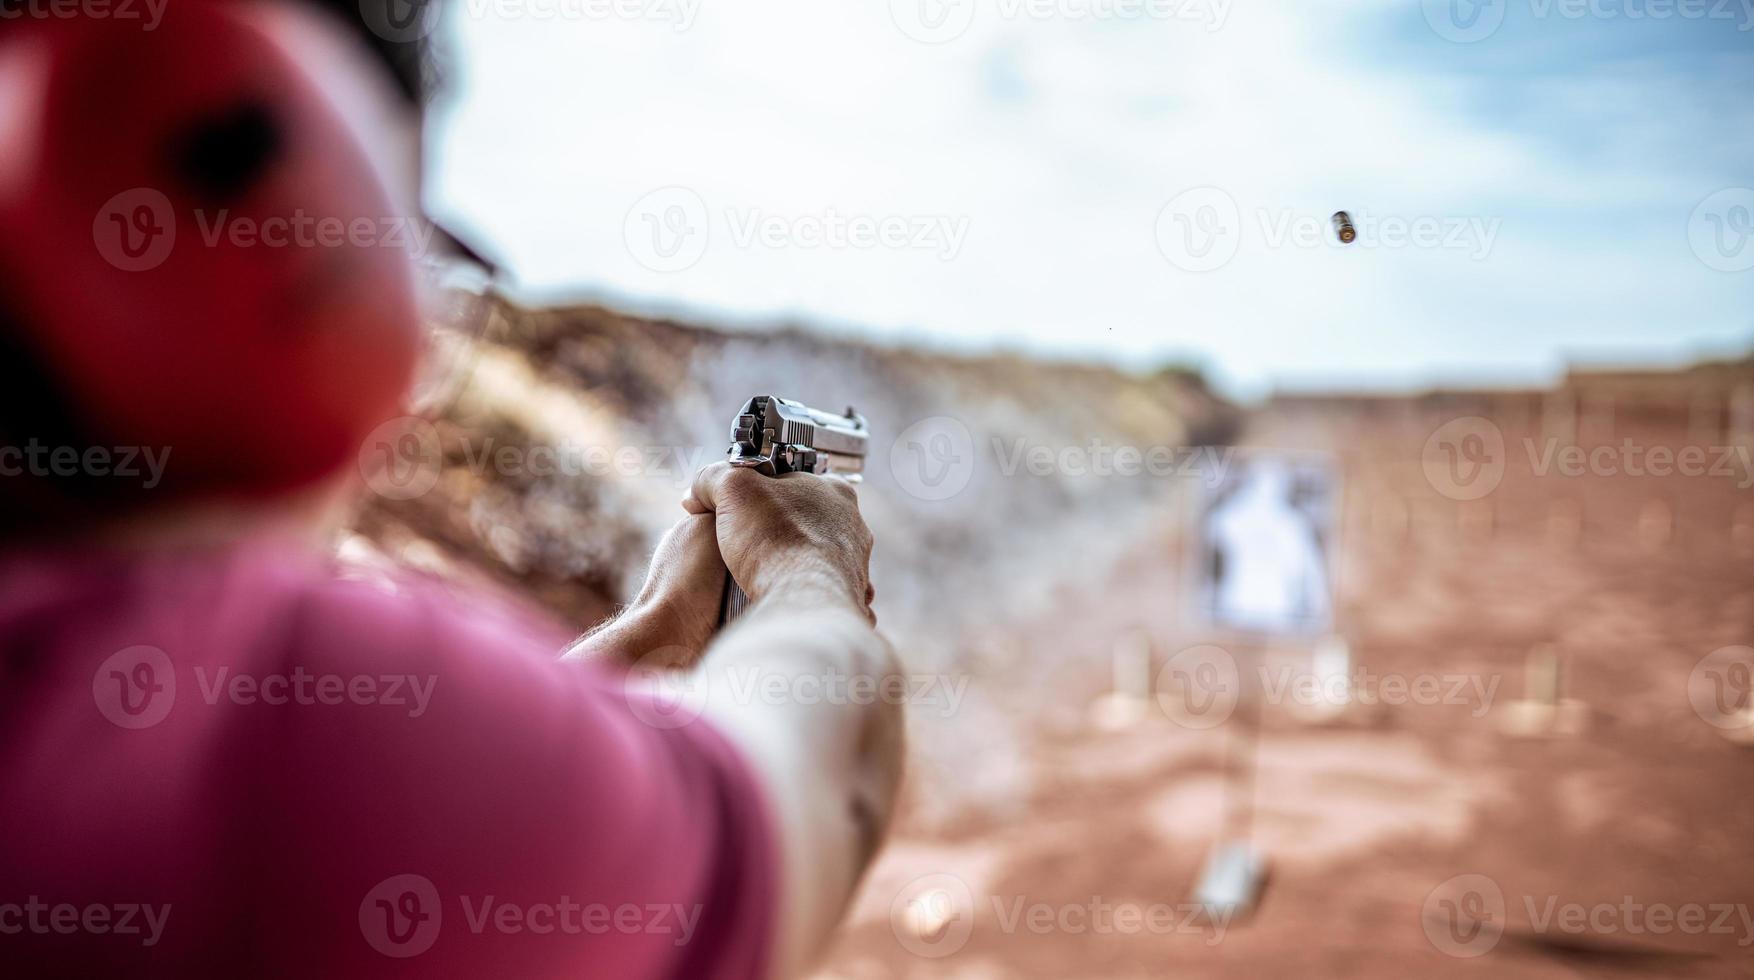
x=798, y=547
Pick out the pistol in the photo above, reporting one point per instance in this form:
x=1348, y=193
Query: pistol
x=777, y=435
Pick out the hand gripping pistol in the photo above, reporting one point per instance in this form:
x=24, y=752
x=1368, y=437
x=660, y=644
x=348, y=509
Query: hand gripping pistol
x=777, y=435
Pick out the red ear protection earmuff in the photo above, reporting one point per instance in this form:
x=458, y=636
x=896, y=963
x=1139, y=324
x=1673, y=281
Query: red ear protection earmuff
x=196, y=249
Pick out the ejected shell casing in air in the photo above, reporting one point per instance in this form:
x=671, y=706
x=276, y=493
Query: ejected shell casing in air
x=1343, y=229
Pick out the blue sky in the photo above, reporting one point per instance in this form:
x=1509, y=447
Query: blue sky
x=1131, y=180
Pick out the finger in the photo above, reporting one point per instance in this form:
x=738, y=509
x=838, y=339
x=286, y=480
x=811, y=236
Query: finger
x=703, y=494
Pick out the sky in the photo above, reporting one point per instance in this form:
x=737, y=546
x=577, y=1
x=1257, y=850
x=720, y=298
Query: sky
x=1532, y=182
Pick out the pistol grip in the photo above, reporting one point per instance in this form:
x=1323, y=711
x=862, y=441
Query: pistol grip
x=732, y=602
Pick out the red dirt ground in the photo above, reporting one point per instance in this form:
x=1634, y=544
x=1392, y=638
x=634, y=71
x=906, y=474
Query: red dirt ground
x=1018, y=799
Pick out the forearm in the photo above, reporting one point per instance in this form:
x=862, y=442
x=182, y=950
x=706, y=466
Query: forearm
x=830, y=765
x=649, y=636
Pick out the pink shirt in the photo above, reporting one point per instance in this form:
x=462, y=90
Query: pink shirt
x=235, y=765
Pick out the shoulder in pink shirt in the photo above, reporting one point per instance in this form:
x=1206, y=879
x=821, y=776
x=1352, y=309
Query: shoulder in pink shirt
x=234, y=764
